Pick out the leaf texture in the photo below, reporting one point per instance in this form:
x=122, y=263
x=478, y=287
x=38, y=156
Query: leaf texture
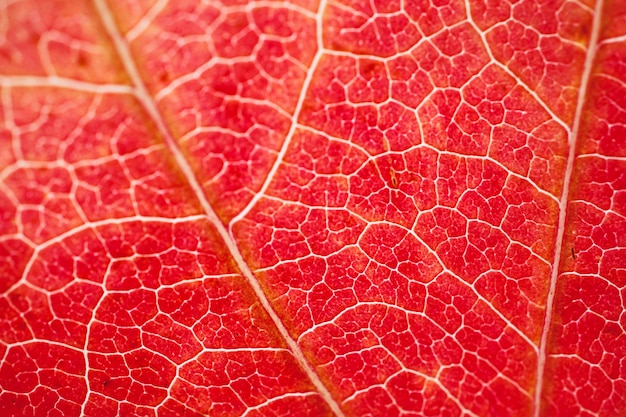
x=333, y=208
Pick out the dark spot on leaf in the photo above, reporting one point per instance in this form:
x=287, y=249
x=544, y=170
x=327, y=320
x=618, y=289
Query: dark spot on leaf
x=164, y=77
x=82, y=59
x=394, y=180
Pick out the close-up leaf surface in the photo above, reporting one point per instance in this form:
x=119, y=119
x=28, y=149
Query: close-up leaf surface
x=313, y=208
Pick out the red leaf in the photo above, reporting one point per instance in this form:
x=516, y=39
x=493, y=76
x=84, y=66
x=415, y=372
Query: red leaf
x=310, y=208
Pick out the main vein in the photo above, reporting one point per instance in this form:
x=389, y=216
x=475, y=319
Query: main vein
x=575, y=134
x=149, y=105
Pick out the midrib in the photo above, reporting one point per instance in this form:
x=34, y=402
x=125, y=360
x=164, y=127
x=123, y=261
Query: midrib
x=574, y=135
x=149, y=105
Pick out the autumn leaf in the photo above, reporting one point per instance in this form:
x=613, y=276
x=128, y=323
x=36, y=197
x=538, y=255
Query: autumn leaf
x=333, y=208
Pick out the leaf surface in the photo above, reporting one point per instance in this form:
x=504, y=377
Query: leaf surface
x=334, y=208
